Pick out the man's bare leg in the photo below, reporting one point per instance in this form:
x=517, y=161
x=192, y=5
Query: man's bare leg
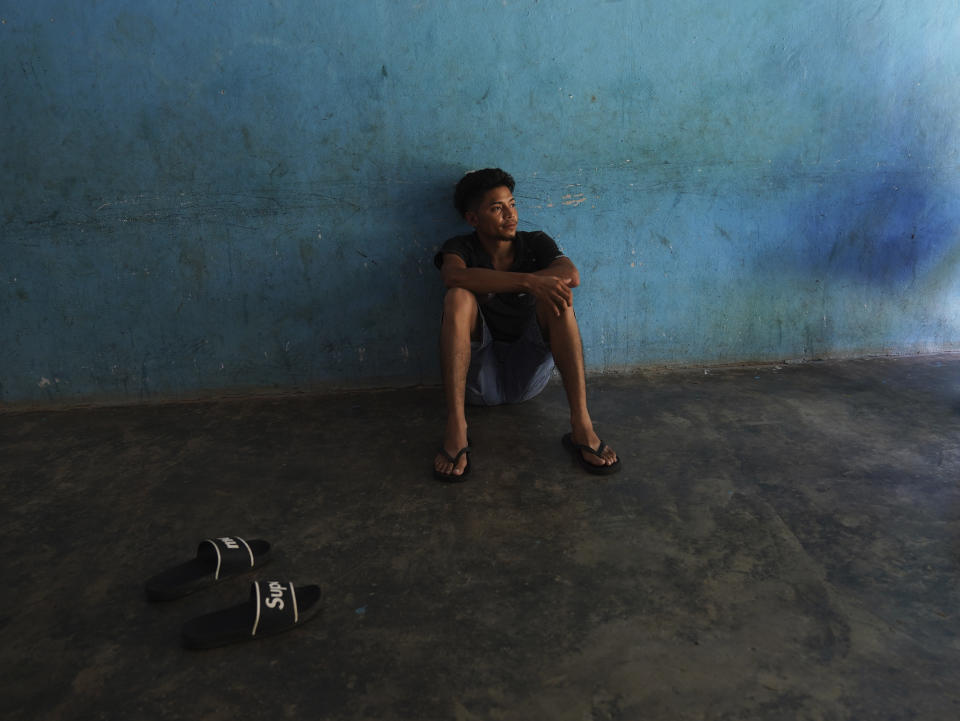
x=460, y=321
x=564, y=338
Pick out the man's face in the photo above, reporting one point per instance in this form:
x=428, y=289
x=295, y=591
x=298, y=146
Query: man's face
x=495, y=217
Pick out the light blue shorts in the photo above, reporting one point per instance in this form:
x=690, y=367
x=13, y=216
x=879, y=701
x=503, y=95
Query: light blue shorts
x=502, y=372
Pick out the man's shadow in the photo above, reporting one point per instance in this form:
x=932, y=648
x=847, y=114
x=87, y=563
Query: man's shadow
x=428, y=218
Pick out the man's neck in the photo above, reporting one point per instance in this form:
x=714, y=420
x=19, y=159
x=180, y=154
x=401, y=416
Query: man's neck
x=497, y=248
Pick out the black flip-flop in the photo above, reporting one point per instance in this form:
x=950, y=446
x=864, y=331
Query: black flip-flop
x=451, y=477
x=273, y=607
x=217, y=559
x=576, y=448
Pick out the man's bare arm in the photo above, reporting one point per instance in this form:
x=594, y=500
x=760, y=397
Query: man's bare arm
x=456, y=274
x=564, y=268
x=552, y=284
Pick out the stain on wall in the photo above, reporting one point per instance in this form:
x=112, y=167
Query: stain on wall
x=207, y=196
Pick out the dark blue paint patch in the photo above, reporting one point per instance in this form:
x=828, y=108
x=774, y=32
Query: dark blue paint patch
x=876, y=229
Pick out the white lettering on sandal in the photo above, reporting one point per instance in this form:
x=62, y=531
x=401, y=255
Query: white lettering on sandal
x=276, y=596
x=230, y=543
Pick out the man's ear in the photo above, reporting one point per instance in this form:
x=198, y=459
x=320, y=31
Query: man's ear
x=471, y=217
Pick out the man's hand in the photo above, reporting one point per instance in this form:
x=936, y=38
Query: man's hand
x=553, y=290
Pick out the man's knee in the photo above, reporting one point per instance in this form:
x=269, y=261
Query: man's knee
x=461, y=312
x=459, y=300
x=547, y=316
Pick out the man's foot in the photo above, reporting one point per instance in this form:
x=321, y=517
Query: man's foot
x=452, y=462
x=459, y=470
x=593, y=454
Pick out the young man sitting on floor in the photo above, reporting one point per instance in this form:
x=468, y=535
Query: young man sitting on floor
x=507, y=319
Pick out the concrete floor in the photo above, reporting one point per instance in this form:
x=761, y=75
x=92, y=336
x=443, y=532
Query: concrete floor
x=783, y=543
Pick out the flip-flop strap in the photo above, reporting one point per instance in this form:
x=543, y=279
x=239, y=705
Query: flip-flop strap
x=453, y=460
x=227, y=554
x=275, y=605
x=598, y=453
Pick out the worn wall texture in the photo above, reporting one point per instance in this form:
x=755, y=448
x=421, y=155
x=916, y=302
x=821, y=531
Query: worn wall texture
x=209, y=195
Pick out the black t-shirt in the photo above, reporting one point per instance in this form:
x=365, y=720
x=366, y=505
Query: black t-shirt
x=507, y=314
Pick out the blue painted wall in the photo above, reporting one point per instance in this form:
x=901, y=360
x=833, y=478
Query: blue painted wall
x=201, y=196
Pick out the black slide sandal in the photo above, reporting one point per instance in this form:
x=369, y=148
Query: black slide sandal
x=273, y=607
x=217, y=559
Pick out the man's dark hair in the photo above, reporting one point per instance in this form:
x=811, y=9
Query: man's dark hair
x=474, y=185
